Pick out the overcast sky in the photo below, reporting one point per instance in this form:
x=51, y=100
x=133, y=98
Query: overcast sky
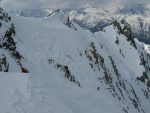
x=9, y=4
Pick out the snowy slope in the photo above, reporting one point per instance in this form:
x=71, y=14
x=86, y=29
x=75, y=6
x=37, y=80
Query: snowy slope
x=75, y=71
x=13, y=87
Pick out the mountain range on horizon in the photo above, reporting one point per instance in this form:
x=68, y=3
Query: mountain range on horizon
x=94, y=19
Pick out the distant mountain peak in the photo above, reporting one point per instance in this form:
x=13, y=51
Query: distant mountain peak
x=133, y=9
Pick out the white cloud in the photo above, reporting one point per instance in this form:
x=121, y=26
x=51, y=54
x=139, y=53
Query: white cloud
x=16, y=4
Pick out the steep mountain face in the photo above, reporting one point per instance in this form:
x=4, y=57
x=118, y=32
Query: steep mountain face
x=140, y=27
x=10, y=58
x=73, y=70
x=138, y=18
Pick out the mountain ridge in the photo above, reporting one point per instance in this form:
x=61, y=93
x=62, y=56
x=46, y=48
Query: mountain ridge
x=73, y=70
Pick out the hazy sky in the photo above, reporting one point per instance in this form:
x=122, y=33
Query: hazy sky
x=9, y=4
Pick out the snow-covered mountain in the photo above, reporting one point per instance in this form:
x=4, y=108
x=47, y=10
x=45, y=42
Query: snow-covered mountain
x=95, y=19
x=139, y=19
x=91, y=18
x=133, y=9
x=71, y=70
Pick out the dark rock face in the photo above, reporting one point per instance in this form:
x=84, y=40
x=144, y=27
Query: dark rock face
x=148, y=83
x=8, y=42
x=4, y=65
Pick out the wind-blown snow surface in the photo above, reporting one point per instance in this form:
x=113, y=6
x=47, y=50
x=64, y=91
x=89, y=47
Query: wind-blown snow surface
x=13, y=88
x=73, y=70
